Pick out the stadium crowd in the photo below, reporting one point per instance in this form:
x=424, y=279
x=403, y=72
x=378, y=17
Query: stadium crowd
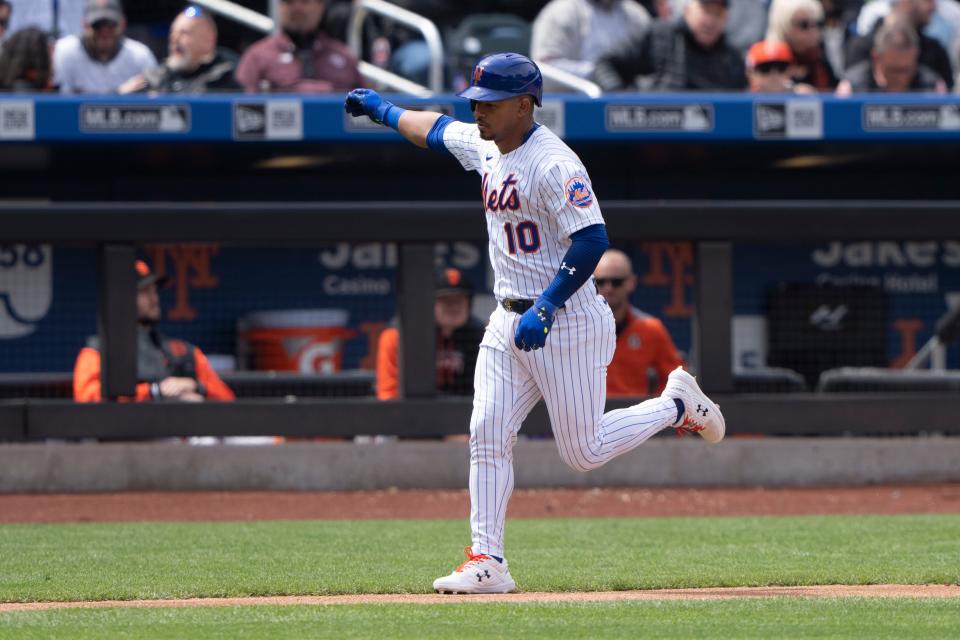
x=802, y=46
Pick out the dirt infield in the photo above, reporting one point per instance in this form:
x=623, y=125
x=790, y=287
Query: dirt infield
x=828, y=591
x=632, y=502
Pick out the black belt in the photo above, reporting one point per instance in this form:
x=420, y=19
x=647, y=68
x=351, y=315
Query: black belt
x=519, y=306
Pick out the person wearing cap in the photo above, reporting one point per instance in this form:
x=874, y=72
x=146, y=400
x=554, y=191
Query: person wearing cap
x=102, y=59
x=799, y=24
x=167, y=368
x=194, y=64
x=300, y=57
x=458, y=340
x=687, y=54
x=644, y=348
x=768, y=69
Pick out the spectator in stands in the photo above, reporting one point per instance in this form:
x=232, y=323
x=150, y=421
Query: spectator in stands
x=5, y=10
x=917, y=14
x=103, y=59
x=458, y=341
x=893, y=66
x=644, y=347
x=687, y=54
x=194, y=65
x=746, y=24
x=25, y=65
x=768, y=69
x=799, y=23
x=567, y=33
x=299, y=58
x=839, y=17
x=944, y=25
x=167, y=369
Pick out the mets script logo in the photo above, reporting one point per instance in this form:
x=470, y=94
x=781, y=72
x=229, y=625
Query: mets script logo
x=578, y=192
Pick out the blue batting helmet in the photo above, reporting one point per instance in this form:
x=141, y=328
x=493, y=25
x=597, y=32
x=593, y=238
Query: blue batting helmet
x=504, y=75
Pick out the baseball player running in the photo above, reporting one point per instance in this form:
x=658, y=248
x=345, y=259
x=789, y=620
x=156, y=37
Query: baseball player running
x=551, y=336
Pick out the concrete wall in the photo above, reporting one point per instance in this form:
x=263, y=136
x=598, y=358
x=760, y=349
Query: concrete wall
x=170, y=466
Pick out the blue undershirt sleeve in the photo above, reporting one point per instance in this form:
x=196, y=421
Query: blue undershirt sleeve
x=435, y=135
x=579, y=262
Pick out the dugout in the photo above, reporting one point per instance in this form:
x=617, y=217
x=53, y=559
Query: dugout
x=720, y=213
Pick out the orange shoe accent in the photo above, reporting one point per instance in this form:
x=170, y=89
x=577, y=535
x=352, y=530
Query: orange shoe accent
x=688, y=426
x=471, y=558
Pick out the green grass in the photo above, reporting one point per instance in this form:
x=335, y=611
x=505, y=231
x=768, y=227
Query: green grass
x=127, y=561
x=759, y=618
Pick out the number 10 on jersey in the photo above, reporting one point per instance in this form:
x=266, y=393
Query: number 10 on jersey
x=525, y=235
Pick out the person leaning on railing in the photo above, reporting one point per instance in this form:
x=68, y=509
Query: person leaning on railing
x=167, y=369
x=458, y=340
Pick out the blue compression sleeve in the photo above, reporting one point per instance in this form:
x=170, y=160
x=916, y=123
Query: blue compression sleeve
x=578, y=263
x=391, y=117
x=435, y=136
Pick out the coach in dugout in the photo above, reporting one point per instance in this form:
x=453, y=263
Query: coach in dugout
x=458, y=341
x=299, y=58
x=643, y=344
x=167, y=369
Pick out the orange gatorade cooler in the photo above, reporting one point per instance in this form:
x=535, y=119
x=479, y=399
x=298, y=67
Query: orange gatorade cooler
x=303, y=340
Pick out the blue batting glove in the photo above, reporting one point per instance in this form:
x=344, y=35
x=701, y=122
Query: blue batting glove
x=366, y=102
x=534, y=325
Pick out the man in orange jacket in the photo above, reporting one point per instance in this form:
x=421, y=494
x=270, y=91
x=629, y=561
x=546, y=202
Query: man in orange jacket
x=167, y=369
x=458, y=341
x=643, y=343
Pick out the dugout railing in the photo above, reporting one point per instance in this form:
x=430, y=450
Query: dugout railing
x=117, y=228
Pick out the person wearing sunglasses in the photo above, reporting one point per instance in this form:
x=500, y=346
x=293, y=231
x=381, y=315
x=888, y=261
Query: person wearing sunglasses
x=645, y=354
x=799, y=24
x=769, y=64
x=917, y=14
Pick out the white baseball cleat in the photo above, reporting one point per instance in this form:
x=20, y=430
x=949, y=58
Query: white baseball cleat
x=479, y=574
x=701, y=414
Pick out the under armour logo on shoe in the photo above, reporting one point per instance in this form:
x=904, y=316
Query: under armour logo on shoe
x=702, y=410
x=571, y=270
x=480, y=576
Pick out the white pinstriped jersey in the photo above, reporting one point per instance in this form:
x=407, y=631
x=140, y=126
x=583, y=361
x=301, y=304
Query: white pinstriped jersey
x=534, y=197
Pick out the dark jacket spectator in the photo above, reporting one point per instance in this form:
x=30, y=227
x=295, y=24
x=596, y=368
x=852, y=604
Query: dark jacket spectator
x=932, y=54
x=300, y=58
x=689, y=54
x=194, y=65
x=893, y=65
x=25, y=64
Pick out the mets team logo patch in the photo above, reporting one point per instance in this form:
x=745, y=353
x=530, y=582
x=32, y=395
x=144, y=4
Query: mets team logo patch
x=578, y=192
